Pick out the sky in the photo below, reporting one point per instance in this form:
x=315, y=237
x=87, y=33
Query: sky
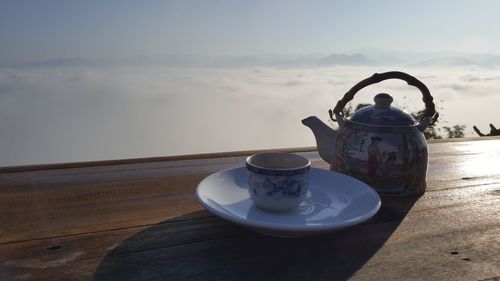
x=33, y=30
x=111, y=99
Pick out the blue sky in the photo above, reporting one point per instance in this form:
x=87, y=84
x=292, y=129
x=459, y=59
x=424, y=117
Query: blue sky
x=39, y=30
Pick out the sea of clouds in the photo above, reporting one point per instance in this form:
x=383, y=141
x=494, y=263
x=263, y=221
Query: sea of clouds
x=66, y=114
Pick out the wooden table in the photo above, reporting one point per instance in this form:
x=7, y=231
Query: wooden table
x=139, y=220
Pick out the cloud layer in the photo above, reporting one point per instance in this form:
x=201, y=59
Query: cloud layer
x=77, y=114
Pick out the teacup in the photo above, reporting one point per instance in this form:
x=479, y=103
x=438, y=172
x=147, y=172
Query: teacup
x=277, y=182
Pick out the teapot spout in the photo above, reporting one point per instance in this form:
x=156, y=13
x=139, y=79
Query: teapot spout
x=325, y=137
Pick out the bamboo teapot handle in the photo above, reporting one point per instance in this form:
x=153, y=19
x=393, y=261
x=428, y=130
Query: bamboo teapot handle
x=430, y=108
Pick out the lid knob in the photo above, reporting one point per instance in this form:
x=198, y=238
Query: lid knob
x=383, y=101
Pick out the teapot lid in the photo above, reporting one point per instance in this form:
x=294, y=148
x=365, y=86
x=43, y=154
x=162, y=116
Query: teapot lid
x=382, y=113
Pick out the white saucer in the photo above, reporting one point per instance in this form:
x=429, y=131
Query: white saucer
x=334, y=201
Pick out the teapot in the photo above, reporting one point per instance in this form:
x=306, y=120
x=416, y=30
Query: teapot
x=379, y=144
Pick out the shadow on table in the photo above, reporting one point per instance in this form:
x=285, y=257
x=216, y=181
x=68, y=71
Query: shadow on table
x=201, y=247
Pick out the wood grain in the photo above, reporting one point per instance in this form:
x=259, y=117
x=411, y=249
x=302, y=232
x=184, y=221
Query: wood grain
x=140, y=221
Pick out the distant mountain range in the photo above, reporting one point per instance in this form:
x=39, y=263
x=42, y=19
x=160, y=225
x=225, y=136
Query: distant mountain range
x=365, y=57
x=58, y=62
x=445, y=61
x=345, y=59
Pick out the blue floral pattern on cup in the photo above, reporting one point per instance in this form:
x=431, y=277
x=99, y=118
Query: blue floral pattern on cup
x=278, y=193
x=278, y=187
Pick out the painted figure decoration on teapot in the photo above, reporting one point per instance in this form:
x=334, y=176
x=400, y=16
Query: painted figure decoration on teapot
x=380, y=145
